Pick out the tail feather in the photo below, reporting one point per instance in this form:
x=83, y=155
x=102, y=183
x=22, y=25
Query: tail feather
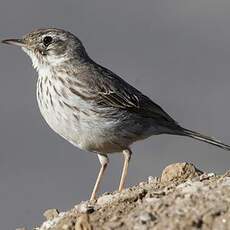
x=204, y=138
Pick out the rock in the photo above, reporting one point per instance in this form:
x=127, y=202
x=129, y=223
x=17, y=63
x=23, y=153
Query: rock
x=179, y=171
x=50, y=214
x=85, y=208
x=146, y=217
x=152, y=179
x=104, y=199
x=206, y=176
x=182, y=199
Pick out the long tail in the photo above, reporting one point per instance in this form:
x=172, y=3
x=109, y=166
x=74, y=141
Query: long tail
x=207, y=139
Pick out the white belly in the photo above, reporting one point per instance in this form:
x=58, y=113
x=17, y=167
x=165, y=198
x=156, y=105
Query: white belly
x=73, y=119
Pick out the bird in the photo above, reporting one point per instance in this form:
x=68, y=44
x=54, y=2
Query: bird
x=89, y=105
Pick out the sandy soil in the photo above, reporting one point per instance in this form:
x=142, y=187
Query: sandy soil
x=183, y=197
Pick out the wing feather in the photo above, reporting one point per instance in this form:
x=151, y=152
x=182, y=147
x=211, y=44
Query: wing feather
x=110, y=90
x=114, y=91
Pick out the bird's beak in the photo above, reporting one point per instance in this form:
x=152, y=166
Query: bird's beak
x=17, y=42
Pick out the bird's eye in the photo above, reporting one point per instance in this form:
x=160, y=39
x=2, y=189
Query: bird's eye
x=47, y=40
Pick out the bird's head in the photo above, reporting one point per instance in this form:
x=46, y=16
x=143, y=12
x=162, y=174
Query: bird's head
x=50, y=47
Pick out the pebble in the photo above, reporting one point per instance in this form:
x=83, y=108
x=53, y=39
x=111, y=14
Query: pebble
x=206, y=176
x=179, y=171
x=152, y=180
x=224, y=220
x=50, y=214
x=146, y=217
x=105, y=199
x=85, y=208
x=141, y=184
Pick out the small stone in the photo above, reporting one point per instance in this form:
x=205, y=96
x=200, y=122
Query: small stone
x=211, y=174
x=159, y=193
x=85, y=208
x=179, y=171
x=206, y=176
x=152, y=180
x=104, y=199
x=146, y=217
x=141, y=183
x=50, y=214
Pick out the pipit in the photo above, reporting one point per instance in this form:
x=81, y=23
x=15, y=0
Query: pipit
x=89, y=105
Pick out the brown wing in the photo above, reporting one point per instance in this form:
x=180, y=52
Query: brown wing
x=114, y=91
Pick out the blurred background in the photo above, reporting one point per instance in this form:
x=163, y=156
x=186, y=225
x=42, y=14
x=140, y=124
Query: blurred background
x=175, y=51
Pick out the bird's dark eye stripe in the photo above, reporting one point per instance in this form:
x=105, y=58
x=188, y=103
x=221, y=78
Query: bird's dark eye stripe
x=47, y=40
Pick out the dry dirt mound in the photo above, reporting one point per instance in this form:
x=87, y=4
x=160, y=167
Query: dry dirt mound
x=182, y=198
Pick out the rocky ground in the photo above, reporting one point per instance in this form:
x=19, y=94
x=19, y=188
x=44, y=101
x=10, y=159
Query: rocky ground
x=182, y=198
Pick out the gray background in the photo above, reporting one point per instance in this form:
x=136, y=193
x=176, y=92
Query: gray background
x=175, y=51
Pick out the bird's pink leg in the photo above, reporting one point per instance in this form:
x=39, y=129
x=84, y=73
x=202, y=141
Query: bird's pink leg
x=127, y=156
x=104, y=160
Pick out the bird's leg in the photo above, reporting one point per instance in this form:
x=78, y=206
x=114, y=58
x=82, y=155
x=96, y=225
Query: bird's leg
x=104, y=160
x=127, y=156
